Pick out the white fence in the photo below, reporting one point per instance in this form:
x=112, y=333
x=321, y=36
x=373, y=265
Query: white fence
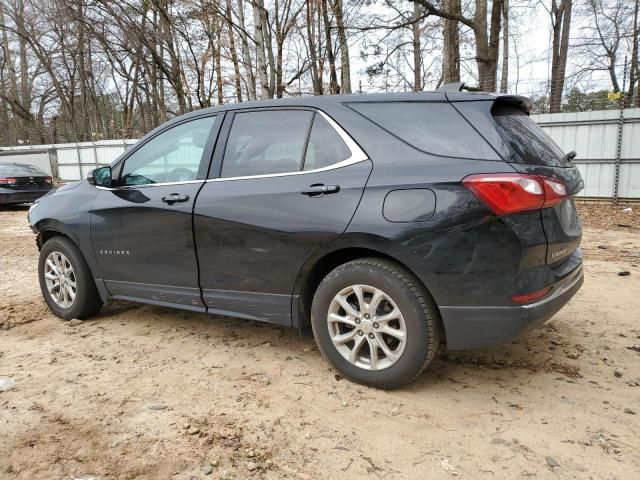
x=71, y=161
x=605, y=144
x=593, y=135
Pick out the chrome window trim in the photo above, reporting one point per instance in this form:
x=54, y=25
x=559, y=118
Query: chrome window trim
x=357, y=156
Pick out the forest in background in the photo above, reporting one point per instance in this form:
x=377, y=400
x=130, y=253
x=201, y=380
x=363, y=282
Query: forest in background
x=81, y=70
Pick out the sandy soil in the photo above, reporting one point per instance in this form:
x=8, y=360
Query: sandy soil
x=146, y=392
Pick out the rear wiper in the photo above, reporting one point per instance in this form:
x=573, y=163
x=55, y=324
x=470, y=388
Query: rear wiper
x=570, y=156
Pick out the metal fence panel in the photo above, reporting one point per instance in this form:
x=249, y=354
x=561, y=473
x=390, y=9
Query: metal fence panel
x=629, y=180
x=74, y=160
x=594, y=136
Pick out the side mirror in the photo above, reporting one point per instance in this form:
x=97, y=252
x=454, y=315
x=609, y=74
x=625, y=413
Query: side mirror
x=100, y=177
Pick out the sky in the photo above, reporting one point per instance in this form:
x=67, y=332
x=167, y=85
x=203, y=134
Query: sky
x=530, y=53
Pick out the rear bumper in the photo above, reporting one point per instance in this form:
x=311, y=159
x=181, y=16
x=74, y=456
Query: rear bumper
x=484, y=327
x=8, y=197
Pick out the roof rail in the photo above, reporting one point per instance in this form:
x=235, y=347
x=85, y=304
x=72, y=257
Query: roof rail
x=456, y=87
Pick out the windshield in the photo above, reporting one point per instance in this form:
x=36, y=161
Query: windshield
x=524, y=140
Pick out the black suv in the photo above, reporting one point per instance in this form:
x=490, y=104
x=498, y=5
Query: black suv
x=388, y=223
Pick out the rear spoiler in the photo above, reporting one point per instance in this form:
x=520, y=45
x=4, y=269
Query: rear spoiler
x=455, y=93
x=518, y=101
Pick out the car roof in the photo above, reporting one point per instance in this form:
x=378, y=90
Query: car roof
x=326, y=101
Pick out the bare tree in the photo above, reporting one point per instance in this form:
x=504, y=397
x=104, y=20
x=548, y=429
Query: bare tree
x=561, y=25
x=634, y=71
x=486, y=27
x=504, y=78
x=78, y=70
x=451, y=48
x=604, y=38
x=345, y=62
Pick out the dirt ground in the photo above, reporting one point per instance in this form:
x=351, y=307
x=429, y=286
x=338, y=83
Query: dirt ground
x=147, y=392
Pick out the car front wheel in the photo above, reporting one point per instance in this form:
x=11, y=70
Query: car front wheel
x=66, y=281
x=375, y=323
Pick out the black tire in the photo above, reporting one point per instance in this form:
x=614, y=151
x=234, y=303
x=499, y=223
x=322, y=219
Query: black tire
x=87, y=301
x=418, y=309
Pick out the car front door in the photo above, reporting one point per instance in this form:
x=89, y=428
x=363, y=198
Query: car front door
x=286, y=184
x=141, y=228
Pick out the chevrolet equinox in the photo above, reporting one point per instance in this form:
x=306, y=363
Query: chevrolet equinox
x=387, y=223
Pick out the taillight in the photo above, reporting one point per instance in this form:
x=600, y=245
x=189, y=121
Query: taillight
x=506, y=193
x=554, y=191
x=8, y=181
x=47, y=179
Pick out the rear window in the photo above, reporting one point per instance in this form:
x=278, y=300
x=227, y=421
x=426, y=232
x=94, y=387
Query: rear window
x=435, y=128
x=20, y=170
x=525, y=142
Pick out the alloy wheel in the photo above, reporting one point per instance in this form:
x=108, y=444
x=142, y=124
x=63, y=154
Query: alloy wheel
x=60, y=279
x=367, y=327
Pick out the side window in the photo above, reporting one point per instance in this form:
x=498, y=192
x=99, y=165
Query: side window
x=172, y=156
x=431, y=127
x=325, y=146
x=266, y=142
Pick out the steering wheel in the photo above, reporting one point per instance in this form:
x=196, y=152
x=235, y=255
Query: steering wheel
x=180, y=174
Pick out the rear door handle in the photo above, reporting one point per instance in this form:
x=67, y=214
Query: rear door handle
x=175, y=198
x=318, y=190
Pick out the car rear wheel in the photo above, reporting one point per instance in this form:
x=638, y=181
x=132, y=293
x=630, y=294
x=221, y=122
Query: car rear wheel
x=66, y=281
x=375, y=323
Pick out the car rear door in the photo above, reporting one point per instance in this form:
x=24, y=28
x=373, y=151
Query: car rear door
x=141, y=229
x=286, y=183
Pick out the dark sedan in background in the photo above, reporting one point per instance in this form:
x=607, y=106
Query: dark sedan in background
x=21, y=183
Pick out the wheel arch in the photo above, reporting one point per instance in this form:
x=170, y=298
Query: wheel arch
x=47, y=234
x=322, y=263
x=48, y=229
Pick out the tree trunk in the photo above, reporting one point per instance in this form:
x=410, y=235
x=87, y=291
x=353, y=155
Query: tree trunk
x=417, y=48
x=10, y=92
x=25, y=85
x=561, y=24
x=234, y=56
x=315, y=69
x=488, y=79
x=218, y=63
x=262, y=60
x=333, y=75
x=451, y=50
x=634, y=70
x=487, y=44
x=345, y=66
x=268, y=45
x=505, y=48
x=246, y=53
x=487, y=38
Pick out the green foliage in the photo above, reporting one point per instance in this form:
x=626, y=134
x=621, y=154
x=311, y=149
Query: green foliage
x=578, y=101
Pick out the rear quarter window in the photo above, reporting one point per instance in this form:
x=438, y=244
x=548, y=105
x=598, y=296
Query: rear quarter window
x=435, y=128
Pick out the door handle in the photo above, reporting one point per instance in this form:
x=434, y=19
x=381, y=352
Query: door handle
x=175, y=198
x=318, y=190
